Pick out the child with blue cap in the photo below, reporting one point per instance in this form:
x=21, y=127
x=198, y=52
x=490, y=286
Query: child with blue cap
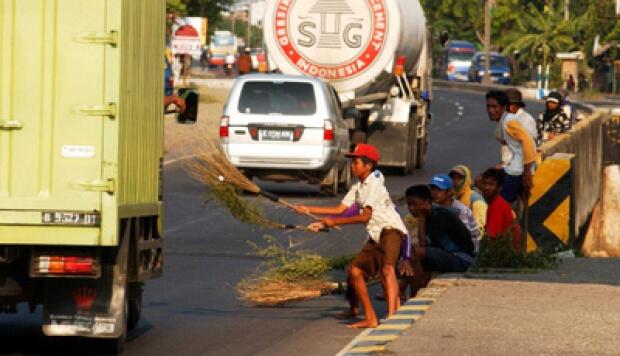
x=442, y=192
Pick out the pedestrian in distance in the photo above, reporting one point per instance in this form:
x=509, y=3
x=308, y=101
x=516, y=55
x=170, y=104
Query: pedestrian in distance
x=444, y=242
x=443, y=195
x=500, y=216
x=519, y=168
x=461, y=181
x=186, y=68
x=570, y=83
x=386, y=232
x=553, y=121
x=244, y=62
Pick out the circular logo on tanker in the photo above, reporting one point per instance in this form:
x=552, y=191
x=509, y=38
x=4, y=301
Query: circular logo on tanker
x=331, y=39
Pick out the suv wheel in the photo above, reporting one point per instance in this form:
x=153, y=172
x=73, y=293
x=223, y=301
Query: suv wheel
x=331, y=182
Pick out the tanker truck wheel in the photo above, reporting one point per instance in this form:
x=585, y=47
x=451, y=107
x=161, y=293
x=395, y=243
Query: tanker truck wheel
x=358, y=137
x=135, y=305
x=345, y=177
x=422, y=146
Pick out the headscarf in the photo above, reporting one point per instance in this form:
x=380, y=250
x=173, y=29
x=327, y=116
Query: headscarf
x=462, y=191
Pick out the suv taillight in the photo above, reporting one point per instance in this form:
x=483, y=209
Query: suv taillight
x=224, y=126
x=328, y=131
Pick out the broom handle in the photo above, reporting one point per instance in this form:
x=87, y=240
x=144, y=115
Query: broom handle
x=284, y=202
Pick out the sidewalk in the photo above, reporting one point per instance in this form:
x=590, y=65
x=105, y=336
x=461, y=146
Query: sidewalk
x=574, y=309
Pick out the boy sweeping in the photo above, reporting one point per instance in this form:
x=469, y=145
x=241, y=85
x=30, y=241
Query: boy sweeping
x=385, y=229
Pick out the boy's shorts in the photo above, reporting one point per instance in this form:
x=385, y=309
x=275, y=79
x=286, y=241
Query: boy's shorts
x=512, y=188
x=374, y=256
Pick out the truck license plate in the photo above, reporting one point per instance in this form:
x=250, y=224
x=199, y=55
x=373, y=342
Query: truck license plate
x=276, y=135
x=70, y=218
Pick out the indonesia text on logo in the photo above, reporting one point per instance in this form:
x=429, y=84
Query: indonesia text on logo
x=332, y=39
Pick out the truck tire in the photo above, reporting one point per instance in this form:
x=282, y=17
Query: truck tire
x=422, y=146
x=411, y=152
x=358, y=137
x=135, y=306
x=330, y=183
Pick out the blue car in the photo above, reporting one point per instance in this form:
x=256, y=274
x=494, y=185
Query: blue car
x=499, y=68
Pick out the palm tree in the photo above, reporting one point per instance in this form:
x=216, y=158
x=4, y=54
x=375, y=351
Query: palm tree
x=540, y=31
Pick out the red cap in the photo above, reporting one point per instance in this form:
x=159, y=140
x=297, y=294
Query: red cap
x=365, y=150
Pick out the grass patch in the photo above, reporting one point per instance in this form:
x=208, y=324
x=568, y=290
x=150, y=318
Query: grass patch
x=500, y=254
x=340, y=262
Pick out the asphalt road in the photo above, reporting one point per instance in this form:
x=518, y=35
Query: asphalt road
x=193, y=309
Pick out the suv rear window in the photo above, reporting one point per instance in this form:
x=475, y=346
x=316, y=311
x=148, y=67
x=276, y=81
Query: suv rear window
x=286, y=98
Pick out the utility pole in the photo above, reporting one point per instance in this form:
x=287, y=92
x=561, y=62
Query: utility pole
x=249, y=45
x=487, y=42
x=566, y=10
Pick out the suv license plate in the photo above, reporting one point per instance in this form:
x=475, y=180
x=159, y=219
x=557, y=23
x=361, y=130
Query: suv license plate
x=276, y=135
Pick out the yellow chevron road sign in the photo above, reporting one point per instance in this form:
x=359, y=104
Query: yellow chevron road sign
x=551, y=208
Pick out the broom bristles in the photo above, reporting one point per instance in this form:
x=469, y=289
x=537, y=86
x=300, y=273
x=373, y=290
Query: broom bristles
x=212, y=166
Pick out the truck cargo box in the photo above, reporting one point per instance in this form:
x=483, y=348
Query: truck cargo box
x=81, y=119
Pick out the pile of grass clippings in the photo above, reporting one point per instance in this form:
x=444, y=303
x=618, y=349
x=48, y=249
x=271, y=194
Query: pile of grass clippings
x=500, y=254
x=285, y=276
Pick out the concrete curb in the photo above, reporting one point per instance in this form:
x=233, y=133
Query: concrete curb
x=390, y=329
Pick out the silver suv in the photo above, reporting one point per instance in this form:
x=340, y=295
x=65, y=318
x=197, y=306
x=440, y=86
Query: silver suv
x=287, y=128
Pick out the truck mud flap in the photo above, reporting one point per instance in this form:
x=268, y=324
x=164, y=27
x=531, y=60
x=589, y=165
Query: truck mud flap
x=89, y=307
x=80, y=307
x=393, y=140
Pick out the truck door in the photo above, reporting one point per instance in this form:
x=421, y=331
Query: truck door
x=53, y=104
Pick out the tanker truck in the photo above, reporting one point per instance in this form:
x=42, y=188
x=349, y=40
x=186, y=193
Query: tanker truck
x=375, y=53
x=81, y=147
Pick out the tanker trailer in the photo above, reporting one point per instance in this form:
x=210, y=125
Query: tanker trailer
x=375, y=53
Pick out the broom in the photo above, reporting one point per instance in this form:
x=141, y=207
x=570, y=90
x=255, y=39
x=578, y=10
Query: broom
x=212, y=167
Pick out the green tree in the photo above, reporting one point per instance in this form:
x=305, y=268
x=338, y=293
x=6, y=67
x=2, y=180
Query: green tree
x=540, y=34
x=211, y=9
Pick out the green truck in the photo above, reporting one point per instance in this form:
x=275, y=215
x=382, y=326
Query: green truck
x=81, y=147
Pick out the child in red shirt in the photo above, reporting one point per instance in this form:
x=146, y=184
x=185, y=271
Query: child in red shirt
x=500, y=216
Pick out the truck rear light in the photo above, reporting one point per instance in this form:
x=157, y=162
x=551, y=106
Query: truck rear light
x=224, y=121
x=55, y=265
x=451, y=68
x=399, y=67
x=328, y=131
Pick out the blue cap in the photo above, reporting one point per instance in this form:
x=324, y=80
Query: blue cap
x=441, y=181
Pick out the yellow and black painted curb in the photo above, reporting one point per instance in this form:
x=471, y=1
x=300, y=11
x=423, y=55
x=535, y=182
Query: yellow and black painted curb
x=376, y=340
x=551, y=210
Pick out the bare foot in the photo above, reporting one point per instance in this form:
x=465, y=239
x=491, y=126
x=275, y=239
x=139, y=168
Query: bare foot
x=347, y=314
x=363, y=324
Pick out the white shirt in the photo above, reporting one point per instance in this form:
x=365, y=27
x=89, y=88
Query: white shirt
x=372, y=193
x=529, y=124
